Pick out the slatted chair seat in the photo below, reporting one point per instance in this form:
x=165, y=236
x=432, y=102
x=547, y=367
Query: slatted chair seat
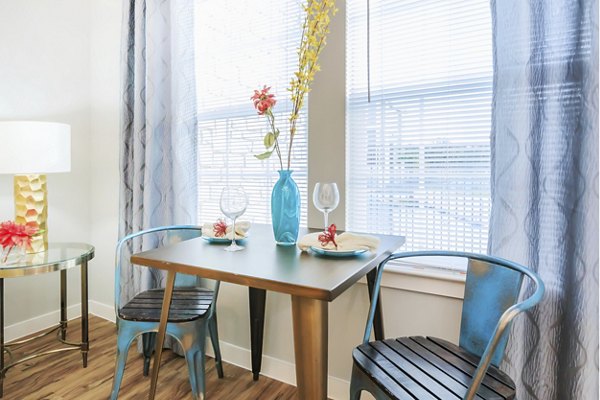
x=188, y=304
x=427, y=368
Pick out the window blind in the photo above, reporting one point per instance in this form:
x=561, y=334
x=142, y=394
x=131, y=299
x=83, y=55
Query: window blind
x=418, y=154
x=242, y=46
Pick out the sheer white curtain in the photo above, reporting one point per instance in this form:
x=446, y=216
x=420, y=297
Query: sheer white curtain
x=158, y=133
x=545, y=187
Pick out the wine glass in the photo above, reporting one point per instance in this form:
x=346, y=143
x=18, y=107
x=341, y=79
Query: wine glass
x=233, y=204
x=326, y=198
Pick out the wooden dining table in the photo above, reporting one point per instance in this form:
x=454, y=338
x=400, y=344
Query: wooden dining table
x=312, y=281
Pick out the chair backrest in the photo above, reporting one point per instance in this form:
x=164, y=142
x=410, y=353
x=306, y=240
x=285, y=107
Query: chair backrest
x=159, y=236
x=490, y=289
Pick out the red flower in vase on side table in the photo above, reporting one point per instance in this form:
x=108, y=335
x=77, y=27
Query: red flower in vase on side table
x=16, y=235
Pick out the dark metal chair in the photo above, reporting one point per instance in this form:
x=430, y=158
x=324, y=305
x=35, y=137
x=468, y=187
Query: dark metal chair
x=192, y=315
x=431, y=368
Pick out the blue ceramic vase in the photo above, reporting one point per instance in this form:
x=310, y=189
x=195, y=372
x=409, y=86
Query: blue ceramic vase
x=285, y=209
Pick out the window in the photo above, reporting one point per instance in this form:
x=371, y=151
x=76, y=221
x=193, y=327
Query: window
x=418, y=153
x=240, y=47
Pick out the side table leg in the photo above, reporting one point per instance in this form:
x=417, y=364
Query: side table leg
x=63, y=304
x=85, y=343
x=378, y=319
x=2, y=337
x=257, y=298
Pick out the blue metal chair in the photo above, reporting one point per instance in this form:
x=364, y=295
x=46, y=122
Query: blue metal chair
x=192, y=315
x=432, y=368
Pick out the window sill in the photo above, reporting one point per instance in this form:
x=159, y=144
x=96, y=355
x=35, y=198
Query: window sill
x=422, y=278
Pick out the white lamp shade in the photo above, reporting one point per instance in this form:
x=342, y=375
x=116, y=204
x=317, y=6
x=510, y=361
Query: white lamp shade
x=28, y=147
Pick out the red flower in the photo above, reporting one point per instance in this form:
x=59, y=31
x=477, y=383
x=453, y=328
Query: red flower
x=13, y=234
x=328, y=236
x=263, y=100
x=220, y=228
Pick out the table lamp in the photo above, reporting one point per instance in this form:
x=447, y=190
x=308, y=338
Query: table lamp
x=29, y=150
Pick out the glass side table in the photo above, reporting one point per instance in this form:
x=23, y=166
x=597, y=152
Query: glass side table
x=58, y=257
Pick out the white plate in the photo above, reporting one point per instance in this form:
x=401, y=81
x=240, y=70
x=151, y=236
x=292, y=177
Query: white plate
x=337, y=253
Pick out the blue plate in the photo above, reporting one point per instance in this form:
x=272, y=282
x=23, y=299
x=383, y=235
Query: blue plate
x=337, y=253
x=220, y=240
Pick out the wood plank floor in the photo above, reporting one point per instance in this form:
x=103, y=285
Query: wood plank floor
x=61, y=376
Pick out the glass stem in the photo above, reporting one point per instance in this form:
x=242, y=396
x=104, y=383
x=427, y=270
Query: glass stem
x=326, y=218
x=233, y=243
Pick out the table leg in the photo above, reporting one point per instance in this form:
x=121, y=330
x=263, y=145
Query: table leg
x=378, y=319
x=257, y=298
x=310, y=318
x=2, y=337
x=85, y=342
x=162, y=330
x=63, y=304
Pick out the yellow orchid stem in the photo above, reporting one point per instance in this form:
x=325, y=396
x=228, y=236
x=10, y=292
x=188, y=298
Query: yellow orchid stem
x=314, y=31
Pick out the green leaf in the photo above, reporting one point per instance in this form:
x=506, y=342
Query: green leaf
x=269, y=140
x=264, y=155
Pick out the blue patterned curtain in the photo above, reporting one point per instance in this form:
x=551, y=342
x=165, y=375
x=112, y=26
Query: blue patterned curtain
x=545, y=187
x=159, y=127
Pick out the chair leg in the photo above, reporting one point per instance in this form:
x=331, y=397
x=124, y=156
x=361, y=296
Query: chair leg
x=195, y=361
x=123, y=342
x=214, y=338
x=148, y=342
x=361, y=381
x=355, y=388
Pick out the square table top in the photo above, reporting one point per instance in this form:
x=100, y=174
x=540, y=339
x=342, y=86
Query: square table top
x=265, y=265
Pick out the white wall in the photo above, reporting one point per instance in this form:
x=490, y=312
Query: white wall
x=105, y=118
x=45, y=75
x=78, y=82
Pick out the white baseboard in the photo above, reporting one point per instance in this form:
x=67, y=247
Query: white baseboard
x=272, y=367
x=102, y=310
x=44, y=321
x=338, y=388
x=283, y=371
x=39, y=323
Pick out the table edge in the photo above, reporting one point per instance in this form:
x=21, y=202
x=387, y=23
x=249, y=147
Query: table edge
x=243, y=280
x=50, y=267
x=281, y=287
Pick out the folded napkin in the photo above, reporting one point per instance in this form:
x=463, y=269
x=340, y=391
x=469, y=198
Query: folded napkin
x=241, y=230
x=346, y=241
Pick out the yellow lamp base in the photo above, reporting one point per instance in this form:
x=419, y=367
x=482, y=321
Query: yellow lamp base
x=31, y=205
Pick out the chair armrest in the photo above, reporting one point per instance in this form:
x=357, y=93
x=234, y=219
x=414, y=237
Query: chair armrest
x=522, y=306
x=375, y=294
